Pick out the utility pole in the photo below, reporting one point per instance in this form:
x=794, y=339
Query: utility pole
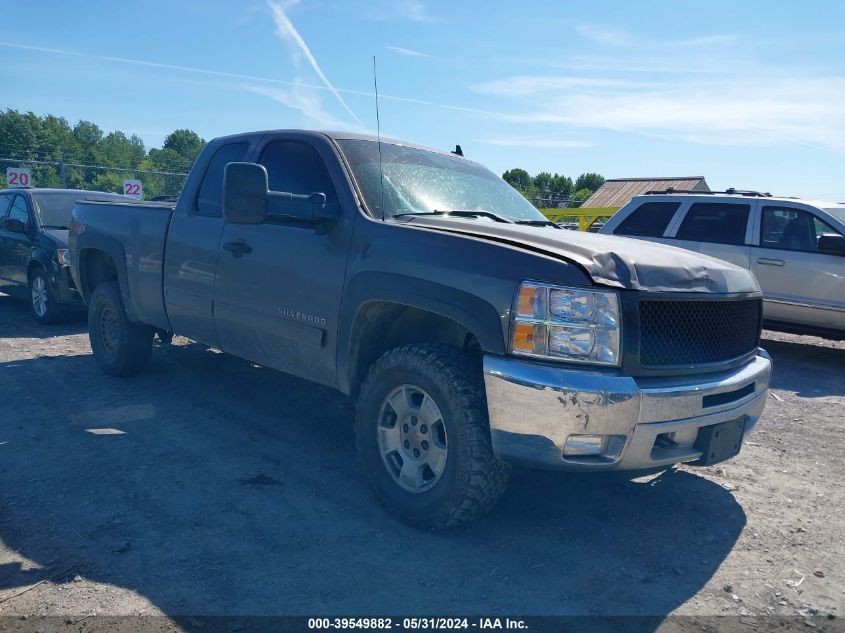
x=63, y=174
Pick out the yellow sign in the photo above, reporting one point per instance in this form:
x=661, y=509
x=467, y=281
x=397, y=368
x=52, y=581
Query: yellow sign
x=584, y=217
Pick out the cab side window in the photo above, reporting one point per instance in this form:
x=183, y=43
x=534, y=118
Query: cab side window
x=650, y=219
x=18, y=210
x=210, y=197
x=792, y=229
x=716, y=223
x=296, y=167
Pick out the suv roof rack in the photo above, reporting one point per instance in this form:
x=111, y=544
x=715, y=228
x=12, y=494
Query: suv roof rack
x=730, y=190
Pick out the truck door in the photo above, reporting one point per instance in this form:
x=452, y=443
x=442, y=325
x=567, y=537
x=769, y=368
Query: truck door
x=193, y=242
x=279, y=285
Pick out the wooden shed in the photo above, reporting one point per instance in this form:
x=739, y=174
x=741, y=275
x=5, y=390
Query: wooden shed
x=617, y=192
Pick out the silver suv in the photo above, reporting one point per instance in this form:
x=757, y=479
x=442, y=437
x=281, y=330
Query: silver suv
x=796, y=248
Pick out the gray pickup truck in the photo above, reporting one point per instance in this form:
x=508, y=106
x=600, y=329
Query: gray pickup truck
x=473, y=332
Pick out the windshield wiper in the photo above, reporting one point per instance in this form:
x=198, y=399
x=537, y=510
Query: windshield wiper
x=461, y=213
x=537, y=223
x=51, y=226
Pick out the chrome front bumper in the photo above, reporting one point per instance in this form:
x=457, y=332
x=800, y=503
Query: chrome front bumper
x=534, y=408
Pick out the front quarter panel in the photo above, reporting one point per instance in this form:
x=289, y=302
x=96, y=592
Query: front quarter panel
x=470, y=280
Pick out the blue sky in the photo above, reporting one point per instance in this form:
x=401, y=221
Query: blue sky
x=749, y=94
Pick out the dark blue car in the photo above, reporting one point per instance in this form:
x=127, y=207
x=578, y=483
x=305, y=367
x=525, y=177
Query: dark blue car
x=33, y=247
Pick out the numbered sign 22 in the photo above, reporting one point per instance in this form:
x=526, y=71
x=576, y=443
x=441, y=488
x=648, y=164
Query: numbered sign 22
x=18, y=177
x=133, y=188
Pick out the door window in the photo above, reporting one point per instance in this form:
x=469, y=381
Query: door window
x=4, y=205
x=295, y=167
x=792, y=229
x=210, y=198
x=648, y=220
x=18, y=210
x=716, y=223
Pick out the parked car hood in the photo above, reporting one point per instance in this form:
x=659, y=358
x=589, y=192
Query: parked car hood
x=59, y=235
x=613, y=261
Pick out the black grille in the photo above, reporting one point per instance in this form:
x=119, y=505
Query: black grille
x=695, y=332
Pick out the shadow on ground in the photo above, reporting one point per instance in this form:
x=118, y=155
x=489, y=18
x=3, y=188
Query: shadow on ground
x=233, y=489
x=815, y=370
x=16, y=321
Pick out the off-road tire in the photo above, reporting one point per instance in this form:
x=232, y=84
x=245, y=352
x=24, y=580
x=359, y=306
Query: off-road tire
x=53, y=311
x=120, y=346
x=473, y=478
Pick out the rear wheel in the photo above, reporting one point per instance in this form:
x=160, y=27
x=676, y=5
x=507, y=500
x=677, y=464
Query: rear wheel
x=423, y=437
x=120, y=346
x=45, y=309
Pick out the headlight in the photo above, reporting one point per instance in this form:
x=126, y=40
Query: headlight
x=574, y=324
x=63, y=256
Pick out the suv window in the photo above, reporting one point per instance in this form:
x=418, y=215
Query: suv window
x=650, y=219
x=5, y=199
x=18, y=210
x=791, y=229
x=714, y=222
x=296, y=167
x=210, y=198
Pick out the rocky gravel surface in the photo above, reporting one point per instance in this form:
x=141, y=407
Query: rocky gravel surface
x=211, y=486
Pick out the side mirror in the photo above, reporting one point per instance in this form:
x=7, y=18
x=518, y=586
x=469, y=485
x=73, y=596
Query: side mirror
x=244, y=193
x=832, y=243
x=13, y=225
x=248, y=200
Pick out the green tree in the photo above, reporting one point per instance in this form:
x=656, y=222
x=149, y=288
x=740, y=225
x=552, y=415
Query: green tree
x=186, y=143
x=121, y=151
x=589, y=181
x=581, y=195
x=519, y=179
x=562, y=185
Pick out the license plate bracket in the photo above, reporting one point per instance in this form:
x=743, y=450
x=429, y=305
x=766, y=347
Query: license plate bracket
x=719, y=442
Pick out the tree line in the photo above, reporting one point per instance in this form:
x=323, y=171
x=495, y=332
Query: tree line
x=83, y=156
x=546, y=189
x=63, y=155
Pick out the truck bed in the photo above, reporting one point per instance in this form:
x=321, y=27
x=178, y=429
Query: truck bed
x=138, y=231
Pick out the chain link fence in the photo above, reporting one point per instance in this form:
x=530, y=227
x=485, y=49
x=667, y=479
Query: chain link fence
x=69, y=175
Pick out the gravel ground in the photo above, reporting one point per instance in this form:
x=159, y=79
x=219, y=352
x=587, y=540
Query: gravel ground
x=210, y=486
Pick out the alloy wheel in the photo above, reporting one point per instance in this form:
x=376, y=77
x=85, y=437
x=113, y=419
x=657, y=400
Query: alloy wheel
x=412, y=438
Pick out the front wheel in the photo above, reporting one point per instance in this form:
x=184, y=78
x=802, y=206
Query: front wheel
x=120, y=346
x=423, y=437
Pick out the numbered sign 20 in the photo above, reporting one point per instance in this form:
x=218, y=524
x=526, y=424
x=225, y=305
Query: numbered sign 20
x=18, y=177
x=133, y=188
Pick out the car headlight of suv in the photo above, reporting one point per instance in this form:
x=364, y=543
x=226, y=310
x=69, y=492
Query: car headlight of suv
x=566, y=323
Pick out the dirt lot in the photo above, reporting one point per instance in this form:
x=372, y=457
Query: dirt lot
x=210, y=486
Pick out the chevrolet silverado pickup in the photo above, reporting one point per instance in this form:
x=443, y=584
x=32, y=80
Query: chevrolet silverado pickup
x=473, y=332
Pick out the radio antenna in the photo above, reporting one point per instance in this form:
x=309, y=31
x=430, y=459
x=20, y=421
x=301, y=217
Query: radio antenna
x=378, y=136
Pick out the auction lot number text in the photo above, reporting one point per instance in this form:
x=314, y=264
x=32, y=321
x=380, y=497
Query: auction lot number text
x=416, y=623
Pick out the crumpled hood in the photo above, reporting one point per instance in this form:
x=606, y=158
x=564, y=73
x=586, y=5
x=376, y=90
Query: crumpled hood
x=613, y=261
x=60, y=235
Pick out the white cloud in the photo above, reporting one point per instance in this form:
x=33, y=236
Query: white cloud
x=612, y=36
x=537, y=142
x=523, y=85
x=749, y=110
x=607, y=36
x=413, y=10
x=302, y=98
x=406, y=51
x=288, y=33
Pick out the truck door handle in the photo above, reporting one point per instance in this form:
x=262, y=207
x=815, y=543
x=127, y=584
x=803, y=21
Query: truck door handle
x=770, y=262
x=238, y=248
